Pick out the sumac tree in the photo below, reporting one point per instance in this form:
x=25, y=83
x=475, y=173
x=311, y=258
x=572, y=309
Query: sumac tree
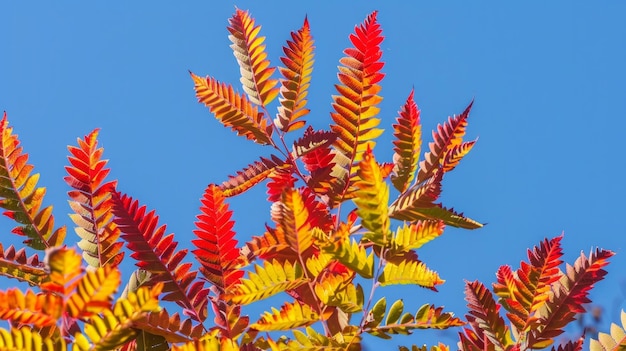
x=343, y=226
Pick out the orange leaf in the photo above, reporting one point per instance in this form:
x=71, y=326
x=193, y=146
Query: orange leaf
x=232, y=109
x=298, y=60
x=249, y=50
x=21, y=198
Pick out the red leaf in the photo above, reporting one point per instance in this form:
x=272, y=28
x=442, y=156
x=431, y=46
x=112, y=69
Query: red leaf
x=216, y=245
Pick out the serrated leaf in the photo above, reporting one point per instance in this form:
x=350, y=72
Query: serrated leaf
x=454, y=155
x=115, y=327
x=293, y=218
x=65, y=269
x=310, y=141
x=25, y=339
x=37, y=310
x=172, y=327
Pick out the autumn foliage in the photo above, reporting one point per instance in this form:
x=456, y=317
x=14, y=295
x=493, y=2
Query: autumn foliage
x=344, y=225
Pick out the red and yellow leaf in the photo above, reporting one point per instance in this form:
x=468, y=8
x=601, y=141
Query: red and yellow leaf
x=252, y=175
x=454, y=155
x=271, y=245
x=216, y=246
x=526, y=290
x=447, y=136
x=233, y=109
x=569, y=295
x=339, y=290
x=91, y=202
x=254, y=66
x=310, y=141
x=21, y=198
x=411, y=203
x=114, y=327
x=356, y=105
x=298, y=61
x=327, y=167
x=407, y=146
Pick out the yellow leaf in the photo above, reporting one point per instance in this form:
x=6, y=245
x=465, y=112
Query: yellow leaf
x=372, y=200
x=290, y=316
x=268, y=280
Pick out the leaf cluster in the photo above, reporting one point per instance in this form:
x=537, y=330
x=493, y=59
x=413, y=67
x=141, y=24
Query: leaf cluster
x=343, y=225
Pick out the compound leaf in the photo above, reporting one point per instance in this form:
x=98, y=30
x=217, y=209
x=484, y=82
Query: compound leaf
x=616, y=340
x=298, y=61
x=290, y=316
x=410, y=272
x=254, y=66
x=91, y=203
x=216, y=246
x=447, y=136
x=355, y=108
x=372, y=200
x=233, y=109
x=155, y=252
x=21, y=198
x=267, y=280
x=407, y=146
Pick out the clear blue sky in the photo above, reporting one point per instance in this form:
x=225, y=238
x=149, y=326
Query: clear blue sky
x=547, y=78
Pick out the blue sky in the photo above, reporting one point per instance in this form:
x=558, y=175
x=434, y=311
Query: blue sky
x=547, y=79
